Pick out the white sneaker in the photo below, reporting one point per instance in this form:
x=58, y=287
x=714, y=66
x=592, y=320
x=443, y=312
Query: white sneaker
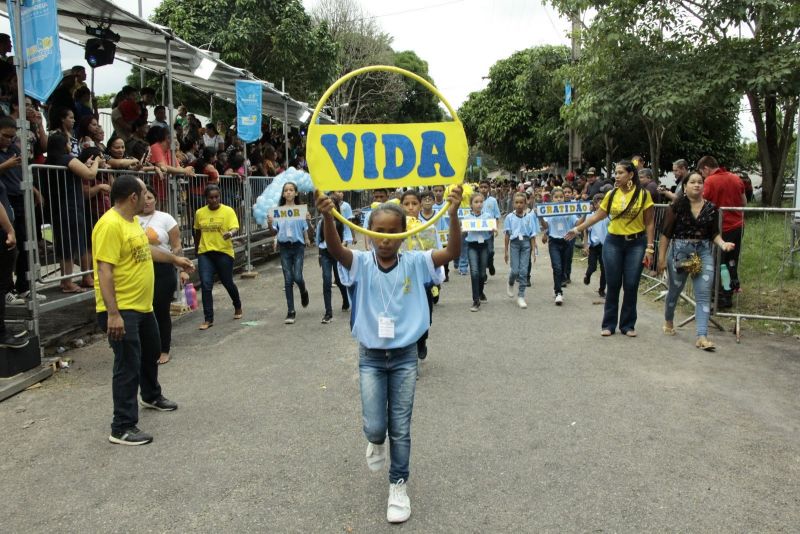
x=376, y=456
x=399, y=508
x=27, y=295
x=521, y=302
x=559, y=299
x=510, y=291
x=12, y=299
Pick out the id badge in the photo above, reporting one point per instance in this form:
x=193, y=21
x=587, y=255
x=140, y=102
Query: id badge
x=289, y=232
x=480, y=240
x=521, y=237
x=385, y=326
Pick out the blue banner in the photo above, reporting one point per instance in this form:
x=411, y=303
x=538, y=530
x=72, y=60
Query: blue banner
x=248, y=110
x=567, y=93
x=41, y=54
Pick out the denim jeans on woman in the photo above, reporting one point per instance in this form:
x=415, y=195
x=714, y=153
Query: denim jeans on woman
x=682, y=249
x=478, y=254
x=388, y=379
x=519, y=251
x=559, y=254
x=330, y=274
x=622, y=259
x=219, y=263
x=292, y=255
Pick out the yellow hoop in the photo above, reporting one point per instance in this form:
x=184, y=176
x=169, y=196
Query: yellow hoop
x=431, y=88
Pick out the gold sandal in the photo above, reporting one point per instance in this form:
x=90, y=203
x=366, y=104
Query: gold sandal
x=703, y=343
x=668, y=330
x=205, y=326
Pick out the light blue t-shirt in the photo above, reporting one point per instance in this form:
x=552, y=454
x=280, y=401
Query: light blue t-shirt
x=399, y=294
x=490, y=206
x=437, y=207
x=598, y=232
x=442, y=224
x=524, y=227
x=558, y=226
x=478, y=237
x=291, y=231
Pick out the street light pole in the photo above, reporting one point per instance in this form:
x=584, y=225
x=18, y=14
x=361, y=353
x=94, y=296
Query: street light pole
x=574, y=137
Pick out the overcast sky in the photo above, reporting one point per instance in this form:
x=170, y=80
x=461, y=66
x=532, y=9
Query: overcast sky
x=460, y=39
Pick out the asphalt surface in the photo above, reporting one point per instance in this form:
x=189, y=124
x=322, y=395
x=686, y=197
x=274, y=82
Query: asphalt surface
x=525, y=421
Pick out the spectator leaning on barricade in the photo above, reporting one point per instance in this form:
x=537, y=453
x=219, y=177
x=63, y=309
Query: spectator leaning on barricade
x=726, y=190
x=124, y=282
x=161, y=157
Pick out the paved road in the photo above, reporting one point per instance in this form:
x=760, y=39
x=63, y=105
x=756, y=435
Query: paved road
x=525, y=421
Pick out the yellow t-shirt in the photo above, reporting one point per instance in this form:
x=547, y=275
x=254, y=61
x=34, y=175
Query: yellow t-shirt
x=466, y=194
x=633, y=220
x=212, y=224
x=124, y=245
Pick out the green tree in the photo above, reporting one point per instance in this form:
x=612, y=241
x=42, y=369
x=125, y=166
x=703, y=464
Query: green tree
x=717, y=49
x=418, y=104
x=516, y=118
x=272, y=39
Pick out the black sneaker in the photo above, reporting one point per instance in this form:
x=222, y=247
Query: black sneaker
x=564, y=283
x=162, y=404
x=327, y=318
x=9, y=340
x=304, y=299
x=130, y=436
x=568, y=281
x=587, y=280
x=422, y=350
x=483, y=296
x=601, y=292
x=289, y=318
x=345, y=307
x=491, y=269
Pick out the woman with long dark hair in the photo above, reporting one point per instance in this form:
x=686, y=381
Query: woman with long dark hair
x=64, y=122
x=628, y=247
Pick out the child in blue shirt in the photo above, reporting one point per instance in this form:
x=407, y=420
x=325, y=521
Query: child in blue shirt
x=329, y=265
x=520, y=231
x=478, y=252
x=387, y=291
x=292, y=238
x=490, y=207
x=557, y=227
x=593, y=240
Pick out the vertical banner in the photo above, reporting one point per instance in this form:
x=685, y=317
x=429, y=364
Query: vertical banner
x=248, y=110
x=39, y=45
x=567, y=93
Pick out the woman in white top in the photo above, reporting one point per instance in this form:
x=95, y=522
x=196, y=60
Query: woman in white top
x=162, y=231
x=211, y=138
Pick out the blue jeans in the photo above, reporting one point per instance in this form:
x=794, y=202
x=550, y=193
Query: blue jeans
x=519, y=251
x=329, y=274
x=568, y=263
x=559, y=250
x=135, y=365
x=463, y=260
x=388, y=379
x=702, y=282
x=292, y=255
x=478, y=254
x=490, y=245
x=219, y=263
x=622, y=260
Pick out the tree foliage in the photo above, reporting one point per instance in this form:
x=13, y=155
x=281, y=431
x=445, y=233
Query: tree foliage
x=703, y=54
x=417, y=104
x=273, y=39
x=516, y=118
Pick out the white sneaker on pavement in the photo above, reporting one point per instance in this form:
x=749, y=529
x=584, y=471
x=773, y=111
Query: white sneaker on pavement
x=376, y=456
x=398, y=509
x=559, y=299
x=510, y=291
x=521, y=302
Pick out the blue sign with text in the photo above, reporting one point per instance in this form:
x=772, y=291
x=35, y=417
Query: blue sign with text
x=39, y=45
x=248, y=110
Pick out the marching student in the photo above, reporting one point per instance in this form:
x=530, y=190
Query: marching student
x=478, y=252
x=520, y=231
x=569, y=196
x=490, y=207
x=292, y=238
x=388, y=290
x=593, y=240
x=379, y=196
x=427, y=211
x=556, y=228
x=329, y=265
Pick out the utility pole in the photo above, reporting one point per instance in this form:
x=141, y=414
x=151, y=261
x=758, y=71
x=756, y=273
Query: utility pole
x=575, y=138
x=141, y=70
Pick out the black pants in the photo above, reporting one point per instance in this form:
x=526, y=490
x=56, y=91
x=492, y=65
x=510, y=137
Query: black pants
x=568, y=260
x=163, y=292
x=135, y=365
x=21, y=269
x=6, y=268
x=595, y=258
x=424, y=338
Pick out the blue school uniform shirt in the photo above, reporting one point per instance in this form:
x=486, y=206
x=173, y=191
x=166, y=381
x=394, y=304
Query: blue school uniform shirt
x=516, y=227
x=347, y=213
x=478, y=237
x=598, y=232
x=437, y=207
x=558, y=226
x=290, y=231
x=490, y=206
x=399, y=293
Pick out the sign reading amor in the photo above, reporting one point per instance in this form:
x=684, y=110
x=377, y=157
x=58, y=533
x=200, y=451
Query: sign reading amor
x=372, y=156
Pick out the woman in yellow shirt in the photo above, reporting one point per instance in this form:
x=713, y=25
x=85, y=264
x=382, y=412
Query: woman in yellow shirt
x=628, y=247
x=215, y=224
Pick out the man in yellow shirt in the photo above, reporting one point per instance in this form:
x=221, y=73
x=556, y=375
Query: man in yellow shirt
x=123, y=274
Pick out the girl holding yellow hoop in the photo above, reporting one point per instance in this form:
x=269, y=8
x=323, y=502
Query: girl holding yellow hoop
x=388, y=290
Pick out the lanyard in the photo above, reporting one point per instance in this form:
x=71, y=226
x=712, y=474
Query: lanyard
x=380, y=285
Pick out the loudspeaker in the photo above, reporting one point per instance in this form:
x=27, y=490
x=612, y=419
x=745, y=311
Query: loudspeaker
x=100, y=52
x=14, y=361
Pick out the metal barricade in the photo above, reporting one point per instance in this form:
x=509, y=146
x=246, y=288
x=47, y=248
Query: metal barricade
x=767, y=275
